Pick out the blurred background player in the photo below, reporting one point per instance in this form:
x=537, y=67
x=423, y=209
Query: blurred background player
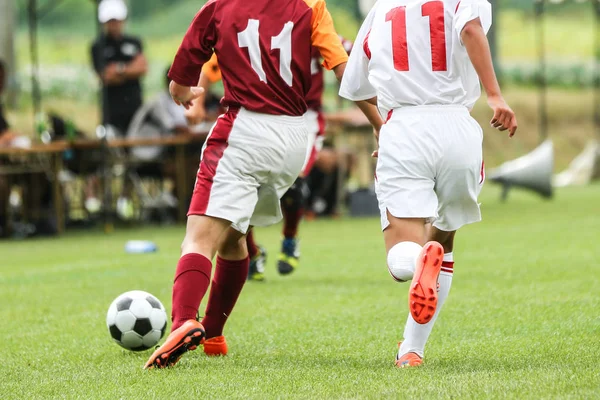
x=421, y=64
x=253, y=154
x=293, y=201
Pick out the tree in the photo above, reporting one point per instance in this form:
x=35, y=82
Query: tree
x=7, y=47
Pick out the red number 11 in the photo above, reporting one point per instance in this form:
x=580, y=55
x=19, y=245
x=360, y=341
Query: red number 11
x=437, y=31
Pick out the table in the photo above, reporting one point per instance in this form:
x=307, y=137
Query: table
x=179, y=142
x=21, y=164
x=343, y=126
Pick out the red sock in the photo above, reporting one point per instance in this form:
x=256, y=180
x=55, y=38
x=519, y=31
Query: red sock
x=252, y=247
x=448, y=266
x=191, y=283
x=227, y=285
x=291, y=220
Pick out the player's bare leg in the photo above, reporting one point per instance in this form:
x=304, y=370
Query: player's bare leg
x=230, y=275
x=192, y=278
x=407, y=260
x=411, y=350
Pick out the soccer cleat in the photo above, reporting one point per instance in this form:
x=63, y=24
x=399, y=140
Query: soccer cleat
x=289, y=256
x=216, y=346
x=185, y=338
x=256, y=272
x=408, y=360
x=423, y=296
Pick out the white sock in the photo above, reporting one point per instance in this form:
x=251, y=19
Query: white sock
x=402, y=260
x=416, y=335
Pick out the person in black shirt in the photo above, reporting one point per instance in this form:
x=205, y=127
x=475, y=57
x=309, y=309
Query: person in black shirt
x=120, y=63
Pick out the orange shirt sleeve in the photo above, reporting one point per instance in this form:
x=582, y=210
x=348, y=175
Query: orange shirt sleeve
x=324, y=36
x=211, y=69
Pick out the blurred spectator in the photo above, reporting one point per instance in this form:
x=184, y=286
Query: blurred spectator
x=120, y=63
x=324, y=181
x=5, y=137
x=6, y=134
x=160, y=117
x=33, y=200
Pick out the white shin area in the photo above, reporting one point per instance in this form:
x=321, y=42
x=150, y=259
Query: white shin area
x=416, y=335
x=402, y=260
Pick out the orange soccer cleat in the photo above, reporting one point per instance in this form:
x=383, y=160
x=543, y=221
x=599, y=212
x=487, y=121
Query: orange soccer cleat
x=216, y=346
x=185, y=338
x=422, y=296
x=409, y=360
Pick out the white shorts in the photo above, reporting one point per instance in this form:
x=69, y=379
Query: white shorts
x=430, y=166
x=248, y=162
x=315, y=121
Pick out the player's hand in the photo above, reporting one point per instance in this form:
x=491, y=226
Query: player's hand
x=184, y=95
x=196, y=114
x=504, y=117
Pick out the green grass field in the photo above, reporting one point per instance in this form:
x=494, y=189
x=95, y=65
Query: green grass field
x=522, y=319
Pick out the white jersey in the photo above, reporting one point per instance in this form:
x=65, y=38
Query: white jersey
x=409, y=53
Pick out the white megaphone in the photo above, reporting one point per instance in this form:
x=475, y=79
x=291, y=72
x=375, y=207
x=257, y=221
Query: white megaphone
x=532, y=171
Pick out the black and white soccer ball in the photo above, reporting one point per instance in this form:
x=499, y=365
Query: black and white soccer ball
x=136, y=320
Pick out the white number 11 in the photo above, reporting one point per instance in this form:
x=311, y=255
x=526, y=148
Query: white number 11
x=283, y=42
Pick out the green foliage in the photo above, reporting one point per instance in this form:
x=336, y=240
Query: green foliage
x=520, y=322
x=74, y=12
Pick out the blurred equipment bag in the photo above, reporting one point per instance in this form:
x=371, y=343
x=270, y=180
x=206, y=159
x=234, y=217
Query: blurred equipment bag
x=584, y=169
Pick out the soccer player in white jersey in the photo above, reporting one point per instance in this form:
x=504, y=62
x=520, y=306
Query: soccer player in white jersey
x=421, y=64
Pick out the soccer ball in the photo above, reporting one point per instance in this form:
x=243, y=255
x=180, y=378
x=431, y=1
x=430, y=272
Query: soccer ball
x=136, y=320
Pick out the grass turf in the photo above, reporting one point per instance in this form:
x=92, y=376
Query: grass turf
x=521, y=320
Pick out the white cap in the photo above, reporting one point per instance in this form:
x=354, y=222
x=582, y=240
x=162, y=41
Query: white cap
x=112, y=9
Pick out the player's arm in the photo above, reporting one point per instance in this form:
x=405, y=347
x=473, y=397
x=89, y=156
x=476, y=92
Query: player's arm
x=211, y=73
x=196, y=114
x=369, y=108
x=326, y=39
x=195, y=50
x=473, y=37
x=355, y=85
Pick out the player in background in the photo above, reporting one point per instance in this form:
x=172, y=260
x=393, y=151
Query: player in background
x=293, y=201
x=421, y=63
x=253, y=154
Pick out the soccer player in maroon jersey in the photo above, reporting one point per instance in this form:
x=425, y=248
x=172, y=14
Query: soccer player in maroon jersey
x=293, y=201
x=253, y=154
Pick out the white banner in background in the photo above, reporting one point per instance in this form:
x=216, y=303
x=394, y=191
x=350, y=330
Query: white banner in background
x=365, y=6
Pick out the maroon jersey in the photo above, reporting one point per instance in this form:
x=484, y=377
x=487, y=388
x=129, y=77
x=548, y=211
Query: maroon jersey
x=264, y=51
x=314, y=98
